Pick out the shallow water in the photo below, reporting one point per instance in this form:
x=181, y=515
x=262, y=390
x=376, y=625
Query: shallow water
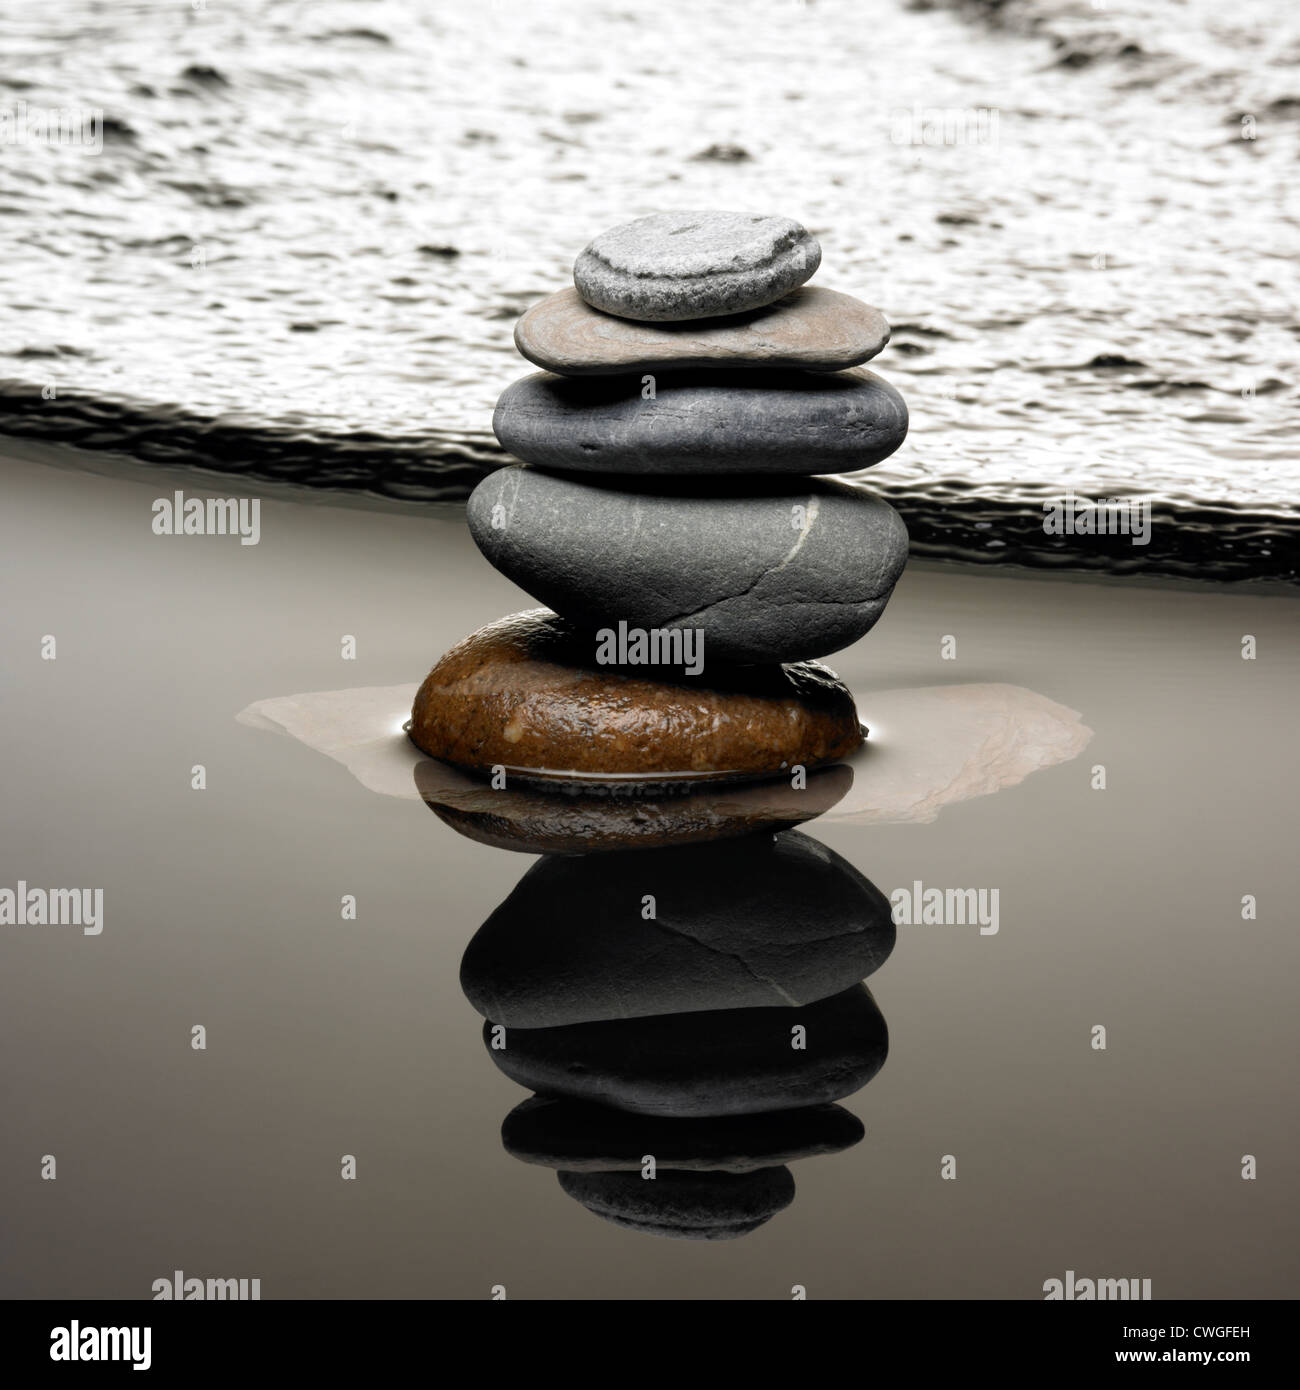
x=327, y=1037
x=302, y=247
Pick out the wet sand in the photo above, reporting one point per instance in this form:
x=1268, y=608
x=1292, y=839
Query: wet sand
x=1118, y=907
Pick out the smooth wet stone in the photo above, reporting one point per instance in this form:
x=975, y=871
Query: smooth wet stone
x=814, y=329
x=760, y=922
x=684, y=1206
x=694, y=265
x=724, y=1062
x=718, y=422
x=526, y=693
x=534, y=821
x=595, y=1139
x=780, y=571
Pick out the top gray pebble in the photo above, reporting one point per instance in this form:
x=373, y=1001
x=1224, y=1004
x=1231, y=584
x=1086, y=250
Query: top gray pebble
x=695, y=265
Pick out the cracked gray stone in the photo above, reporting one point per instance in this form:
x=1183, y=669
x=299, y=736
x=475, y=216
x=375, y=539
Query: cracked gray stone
x=703, y=422
x=722, y=1062
x=770, y=570
x=694, y=265
x=766, y=921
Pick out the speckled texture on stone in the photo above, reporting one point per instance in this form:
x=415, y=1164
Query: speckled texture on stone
x=749, y=422
x=811, y=328
x=684, y=1206
x=767, y=921
x=723, y=1062
x=580, y=1137
x=694, y=265
x=527, y=694
x=769, y=570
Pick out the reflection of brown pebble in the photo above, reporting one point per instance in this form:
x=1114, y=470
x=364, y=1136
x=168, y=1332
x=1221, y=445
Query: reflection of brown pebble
x=537, y=821
x=525, y=693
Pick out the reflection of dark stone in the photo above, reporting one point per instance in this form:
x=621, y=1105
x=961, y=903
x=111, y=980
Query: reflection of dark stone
x=762, y=921
x=723, y=1062
x=537, y=822
x=593, y=1138
x=688, y=1206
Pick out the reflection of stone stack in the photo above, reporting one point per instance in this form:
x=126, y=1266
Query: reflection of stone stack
x=700, y=1007
x=668, y=510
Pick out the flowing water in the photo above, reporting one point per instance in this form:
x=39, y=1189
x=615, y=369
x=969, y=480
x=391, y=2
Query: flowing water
x=298, y=244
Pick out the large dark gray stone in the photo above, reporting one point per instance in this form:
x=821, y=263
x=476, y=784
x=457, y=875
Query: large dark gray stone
x=703, y=422
x=780, y=572
x=767, y=921
x=694, y=265
x=585, y=1138
x=724, y=1062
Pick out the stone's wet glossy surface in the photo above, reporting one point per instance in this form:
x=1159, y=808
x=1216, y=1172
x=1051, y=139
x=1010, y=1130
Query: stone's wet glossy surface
x=767, y=570
x=684, y=1206
x=579, y=1137
x=721, y=1062
x=534, y=821
x=694, y=265
x=812, y=328
x=525, y=693
x=703, y=422
x=767, y=921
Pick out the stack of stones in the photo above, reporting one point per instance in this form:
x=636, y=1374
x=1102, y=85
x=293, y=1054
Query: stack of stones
x=668, y=510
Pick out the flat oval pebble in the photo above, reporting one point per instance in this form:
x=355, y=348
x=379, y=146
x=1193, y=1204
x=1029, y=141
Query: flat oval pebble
x=532, y=820
x=684, y=1206
x=745, y=422
x=694, y=265
x=584, y=1138
x=724, y=1062
x=815, y=329
x=780, y=572
x=765, y=921
x=525, y=693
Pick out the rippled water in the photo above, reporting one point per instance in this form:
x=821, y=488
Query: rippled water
x=302, y=246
